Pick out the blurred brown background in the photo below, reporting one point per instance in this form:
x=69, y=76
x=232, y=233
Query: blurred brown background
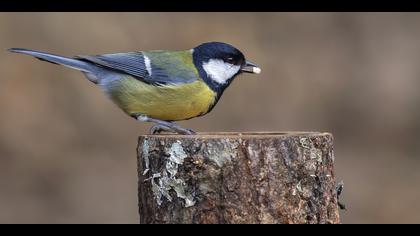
x=67, y=154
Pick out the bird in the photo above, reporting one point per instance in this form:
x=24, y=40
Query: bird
x=161, y=86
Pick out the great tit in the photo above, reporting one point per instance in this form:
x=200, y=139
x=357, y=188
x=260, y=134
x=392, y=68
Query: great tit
x=161, y=86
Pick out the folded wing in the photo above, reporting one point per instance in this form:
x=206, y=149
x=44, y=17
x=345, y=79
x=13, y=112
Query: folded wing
x=153, y=68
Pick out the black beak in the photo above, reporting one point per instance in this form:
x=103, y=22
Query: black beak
x=250, y=67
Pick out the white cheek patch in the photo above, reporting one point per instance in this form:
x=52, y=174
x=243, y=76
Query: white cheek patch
x=148, y=65
x=219, y=70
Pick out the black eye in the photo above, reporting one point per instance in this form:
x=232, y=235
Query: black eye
x=230, y=60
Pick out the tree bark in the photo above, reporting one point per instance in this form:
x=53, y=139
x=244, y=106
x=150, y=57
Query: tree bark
x=237, y=178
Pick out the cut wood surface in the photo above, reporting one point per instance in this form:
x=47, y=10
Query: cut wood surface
x=237, y=178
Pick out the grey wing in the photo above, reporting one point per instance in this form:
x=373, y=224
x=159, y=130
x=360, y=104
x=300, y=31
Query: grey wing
x=129, y=63
x=134, y=64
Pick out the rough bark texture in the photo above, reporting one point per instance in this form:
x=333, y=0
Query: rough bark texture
x=237, y=178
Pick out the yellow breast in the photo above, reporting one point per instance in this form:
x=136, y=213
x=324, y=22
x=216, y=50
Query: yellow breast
x=172, y=102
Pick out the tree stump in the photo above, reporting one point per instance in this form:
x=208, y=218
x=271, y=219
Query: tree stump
x=237, y=178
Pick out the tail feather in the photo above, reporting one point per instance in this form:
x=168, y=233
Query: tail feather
x=56, y=59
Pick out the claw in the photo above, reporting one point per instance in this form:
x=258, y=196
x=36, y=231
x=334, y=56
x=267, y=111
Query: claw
x=186, y=131
x=159, y=128
x=191, y=131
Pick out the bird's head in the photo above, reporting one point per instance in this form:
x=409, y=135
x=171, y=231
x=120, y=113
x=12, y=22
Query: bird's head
x=218, y=63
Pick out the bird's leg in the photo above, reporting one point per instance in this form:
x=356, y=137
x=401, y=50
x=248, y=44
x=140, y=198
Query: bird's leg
x=162, y=125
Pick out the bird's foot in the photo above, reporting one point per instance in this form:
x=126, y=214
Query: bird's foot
x=158, y=128
x=181, y=130
x=163, y=126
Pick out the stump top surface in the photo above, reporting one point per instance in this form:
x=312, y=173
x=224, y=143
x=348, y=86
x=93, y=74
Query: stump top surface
x=262, y=134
